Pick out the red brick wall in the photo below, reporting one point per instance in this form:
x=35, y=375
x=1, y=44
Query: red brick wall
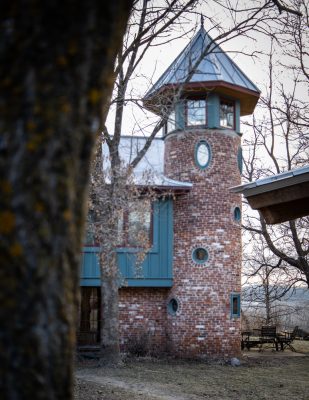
x=204, y=217
x=142, y=312
x=202, y=327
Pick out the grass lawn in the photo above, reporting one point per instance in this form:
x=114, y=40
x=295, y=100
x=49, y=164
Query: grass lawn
x=261, y=375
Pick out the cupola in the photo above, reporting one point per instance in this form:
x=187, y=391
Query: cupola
x=203, y=87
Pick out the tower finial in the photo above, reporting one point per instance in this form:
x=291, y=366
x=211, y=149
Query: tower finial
x=202, y=20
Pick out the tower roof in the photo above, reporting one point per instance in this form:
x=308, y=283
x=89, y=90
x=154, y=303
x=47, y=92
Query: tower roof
x=202, y=66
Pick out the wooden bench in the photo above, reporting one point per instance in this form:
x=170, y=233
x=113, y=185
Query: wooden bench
x=250, y=339
x=285, y=339
x=257, y=337
x=268, y=335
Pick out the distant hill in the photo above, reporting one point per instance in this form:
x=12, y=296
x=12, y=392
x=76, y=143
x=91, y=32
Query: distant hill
x=297, y=295
x=291, y=310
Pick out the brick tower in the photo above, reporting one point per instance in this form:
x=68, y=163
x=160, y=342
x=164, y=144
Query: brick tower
x=205, y=93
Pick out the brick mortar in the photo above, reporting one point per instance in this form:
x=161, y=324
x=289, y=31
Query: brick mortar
x=203, y=217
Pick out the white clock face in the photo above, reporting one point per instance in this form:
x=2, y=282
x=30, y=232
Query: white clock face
x=203, y=154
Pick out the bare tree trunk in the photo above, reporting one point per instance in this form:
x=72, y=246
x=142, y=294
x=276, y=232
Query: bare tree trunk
x=56, y=66
x=267, y=300
x=110, y=350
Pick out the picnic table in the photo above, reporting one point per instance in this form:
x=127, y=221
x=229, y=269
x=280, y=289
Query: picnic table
x=267, y=334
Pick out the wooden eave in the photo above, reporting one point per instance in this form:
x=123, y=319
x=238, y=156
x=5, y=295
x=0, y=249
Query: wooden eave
x=165, y=190
x=279, y=198
x=248, y=98
x=282, y=204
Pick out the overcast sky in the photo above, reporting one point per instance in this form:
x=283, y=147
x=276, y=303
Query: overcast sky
x=159, y=58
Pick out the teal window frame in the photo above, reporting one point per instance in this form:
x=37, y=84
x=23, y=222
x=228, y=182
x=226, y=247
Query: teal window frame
x=173, y=306
x=237, y=214
x=195, y=259
x=197, y=146
x=196, y=107
x=235, y=300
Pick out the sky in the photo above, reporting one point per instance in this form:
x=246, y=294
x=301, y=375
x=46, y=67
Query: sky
x=159, y=58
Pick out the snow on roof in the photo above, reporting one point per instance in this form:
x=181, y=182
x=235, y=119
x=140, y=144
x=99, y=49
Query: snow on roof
x=150, y=170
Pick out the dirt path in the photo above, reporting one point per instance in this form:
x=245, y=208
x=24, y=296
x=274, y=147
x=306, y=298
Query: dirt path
x=148, y=391
x=262, y=376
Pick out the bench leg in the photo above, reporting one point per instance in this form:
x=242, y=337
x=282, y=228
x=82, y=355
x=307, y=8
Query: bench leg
x=291, y=347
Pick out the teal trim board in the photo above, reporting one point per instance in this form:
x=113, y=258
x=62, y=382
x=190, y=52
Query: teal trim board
x=237, y=116
x=213, y=106
x=156, y=268
x=180, y=115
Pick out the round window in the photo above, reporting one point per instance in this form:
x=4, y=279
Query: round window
x=237, y=214
x=200, y=255
x=202, y=154
x=172, y=306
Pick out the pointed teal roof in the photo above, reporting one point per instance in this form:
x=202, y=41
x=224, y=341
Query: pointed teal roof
x=213, y=70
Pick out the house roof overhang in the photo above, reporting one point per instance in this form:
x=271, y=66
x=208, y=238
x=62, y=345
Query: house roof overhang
x=279, y=198
x=165, y=190
x=156, y=101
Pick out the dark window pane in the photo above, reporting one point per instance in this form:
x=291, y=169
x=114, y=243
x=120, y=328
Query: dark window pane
x=235, y=305
x=172, y=307
x=237, y=214
x=89, y=316
x=200, y=255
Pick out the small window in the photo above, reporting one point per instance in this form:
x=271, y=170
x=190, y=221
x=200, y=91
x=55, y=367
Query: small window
x=171, y=122
x=226, y=114
x=172, y=306
x=134, y=224
x=240, y=159
x=200, y=255
x=139, y=222
x=202, y=154
x=196, y=112
x=237, y=214
x=235, y=305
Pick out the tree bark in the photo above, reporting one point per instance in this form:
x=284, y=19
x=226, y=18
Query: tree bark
x=56, y=76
